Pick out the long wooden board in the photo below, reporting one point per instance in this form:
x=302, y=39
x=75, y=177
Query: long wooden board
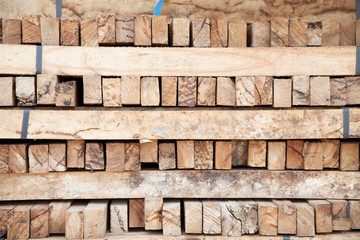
x=179, y=124
x=181, y=184
x=17, y=59
x=115, y=61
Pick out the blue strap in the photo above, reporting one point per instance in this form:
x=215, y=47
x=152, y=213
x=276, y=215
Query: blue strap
x=286, y=237
x=58, y=8
x=346, y=123
x=357, y=60
x=157, y=10
x=38, y=59
x=25, y=123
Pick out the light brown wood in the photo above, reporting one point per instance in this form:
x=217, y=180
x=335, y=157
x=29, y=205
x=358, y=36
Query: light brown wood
x=187, y=91
x=223, y=154
x=31, y=32
x=248, y=215
x=295, y=154
x=171, y=218
x=7, y=87
x=331, y=153
x=18, y=226
x=338, y=90
x=142, y=28
x=119, y=216
x=57, y=157
x=124, y=30
x=92, y=90
x=347, y=32
x=11, y=31
x=185, y=154
x=349, y=156
x=150, y=91
x=239, y=154
x=25, y=91
x=237, y=34
x=199, y=62
x=57, y=218
x=225, y=91
x=167, y=156
x=276, y=154
x=314, y=34
x=106, y=29
x=18, y=158
x=136, y=213
x=282, y=93
x=340, y=210
x=130, y=90
x=149, y=151
x=115, y=157
x=4, y=158
x=206, y=91
x=168, y=91
x=352, y=90
x=159, y=28
x=211, y=217
x=50, y=31
x=257, y=154
x=66, y=94
x=69, y=34
x=153, y=213
x=132, y=156
x=94, y=156
x=330, y=32
x=74, y=221
x=297, y=33
x=204, y=155
x=245, y=91
x=320, y=91
x=39, y=158
x=95, y=219
x=39, y=220
x=6, y=210
x=111, y=92
x=354, y=214
x=17, y=59
x=313, y=156
x=323, y=216
x=268, y=218
x=230, y=222
x=280, y=32
x=200, y=33
x=218, y=33
x=75, y=154
x=259, y=34
x=286, y=217
x=305, y=220
x=193, y=215
x=263, y=90
x=89, y=32
x=45, y=89
x=180, y=32
x=301, y=90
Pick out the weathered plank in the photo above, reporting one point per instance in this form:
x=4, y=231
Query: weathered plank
x=313, y=156
x=197, y=62
x=111, y=92
x=248, y=214
x=301, y=90
x=349, y=156
x=195, y=184
x=7, y=87
x=340, y=210
x=354, y=214
x=245, y=91
x=136, y=213
x=259, y=34
x=11, y=31
x=204, y=155
x=160, y=31
x=106, y=29
x=225, y=91
x=268, y=218
x=282, y=93
x=94, y=156
x=115, y=157
x=218, y=33
x=314, y=34
x=223, y=154
x=25, y=91
x=92, y=90
x=295, y=154
x=4, y=158
x=305, y=220
x=280, y=32
x=257, y=154
x=17, y=59
x=331, y=152
x=124, y=30
x=171, y=217
x=193, y=215
x=211, y=217
x=153, y=213
x=18, y=225
x=89, y=32
x=168, y=91
x=149, y=151
x=297, y=33
x=6, y=210
x=276, y=154
x=200, y=33
x=286, y=217
x=119, y=216
x=323, y=216
x=39, y=158
x=150, y=91
x=39, y=220
x=18, y=158
x=330, y=32
x=95, y=219
x=239, y=153
x=74, y=221
x=45, y=89
x=57, y=157
x=142, y=31
x=31, y=32
x=206, y=91
x=66, y=94
x=132, y=156
x=69, y=34
x=237, y=34
x=130, y=90
x=185, y=154
x=50, y=31
x=187, y=91
x=57, y=218
x=167, y=156
x=338, y=89
x=230, y=220
x=319, y=91
x=180, y=32
x=352, y=90
x=75, y=154
x=263, y=90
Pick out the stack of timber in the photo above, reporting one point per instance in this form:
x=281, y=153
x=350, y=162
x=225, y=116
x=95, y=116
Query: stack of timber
x=231, y=120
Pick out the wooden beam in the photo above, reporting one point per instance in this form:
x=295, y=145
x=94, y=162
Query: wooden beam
x=195, y=184
x=7, y=98
x=136, y=213
x=95, y=219
x=211, y=217
x=193, y=215
x=57, y=217
x=119, y=216
x=39, y=220
x=31, y=33
x=11, y=30
x=124, y=30
x=25, y=91
x=153, y=213
x=74, y=221
x=171, y=217
x=193, y=61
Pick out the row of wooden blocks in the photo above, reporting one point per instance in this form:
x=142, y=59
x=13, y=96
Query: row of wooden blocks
x=89, y=219
x=128, y=156
x=177, y=32
x=180, y=91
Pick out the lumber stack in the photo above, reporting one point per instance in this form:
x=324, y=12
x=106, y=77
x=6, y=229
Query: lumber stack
x=239, y=121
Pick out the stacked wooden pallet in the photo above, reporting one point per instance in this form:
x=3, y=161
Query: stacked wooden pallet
x=222, y=123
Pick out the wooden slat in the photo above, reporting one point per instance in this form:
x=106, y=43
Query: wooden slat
x=194, y=184
x=195, y=124
x=193, y=62
x=17, y=59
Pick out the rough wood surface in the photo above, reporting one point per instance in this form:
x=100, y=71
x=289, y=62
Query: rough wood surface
x=25, y=91
x=211, y=217
x=282, y=93
x=168, y=91
x=200, y=33
x=263, y=90
x=39, y=220
x=167, y=156
x=305, y=220
x=39, y=158
x=276, y=154
x=153, y=213
x=18, y=226
x=330, y=32
x=319, y=91
x=323, y=216
x=352, y=90
x=237, y=34
x=57, y=218
x=198, y=62
x=136, y=213
x=347, y=32
x=257, y=154
x=259, y=34
x=75, y=154
x=225, y=91
x=338, y=89
x=4, y=158
x=45, y=89
x=235, y=125
x=223, y=154
x=17, y=59
x=31, y=32
x=142, y=31
x=6, y=210
x=66, y=94
x=115, y=157
x=106, y=29
x=124, y=30
x=314, y=34
x=218, y=33
x=18, y=158
x=94, y=156
x=295, y=154
x=7, y=87
x=171, y=217
x=74, y=221
x=245, y=91
x=150, y=91
x=130, y=90
x=119, y=216
x=268, y=218
x=111, y=92
x=95, y=219
x=331, y=153
x=187, y=91
x=297, y=33
x=180, y=32
x=206, y=91
x=301, y=90
x=340, y=210
x=239, y=153
x=185, y=154
x=159, y=28
x=204, y=155
x=132, y=156
x=195, y=184
x=354, y=214
x=50, y=31
x=92, y=90
x=193, y=215
x=11, y=31
x=280, y=32
x=349, y=156
x=313, y=156
x=286, y=217
x=230, y=220
x=149, y=151
x=89, y=32
x=57, y=157
x=69, y=28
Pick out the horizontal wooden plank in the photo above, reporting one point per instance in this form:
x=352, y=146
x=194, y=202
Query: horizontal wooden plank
x=17, y=59
x=115, y=61
x=181, y=184
x=180, y=124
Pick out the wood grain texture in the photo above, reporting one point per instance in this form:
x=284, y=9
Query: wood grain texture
x=200, y=33
x=69, y=28
x=257, y=154
x=239, y=154
x=132, y=156
x=7, y=87
x=74, y=221
x=160, y=31
x=31, y=32
x=45, y=89
x=206, y=91
x=95, y=219
x=185, y=154
x=171, y=217
x=259, y=34
x=204, y=155
x=338, y=89
x=167, y=156
x=66, y=94
x=25, y=91
x=223, y=154
x=245, y=91
x=136, y=213
x=195, y=184
x=142, y=31
x=349, y=156
x=150, y=91
x=279, y=33
x=50, y=31
x=115, y=157
x=354, y=214
x=168, y=91
x=193, y=215
x=6, y=210
x=39, y=220
x=198, y=62
x=57, y=157
x=330, y=32
x=268, y=218
x=276, y=154
x=230, y=220
x=18, y=158
x=319, y=91
x=187, y=91
x=248, y=214
x=11, y=31
x=352, y=90
x=111, y=92
x=153, y=213
x=301, y=90
x=348, y=32
x=75, y=154
x=124, y=30
x=323, y=216
x=57, y=218
x=331, y=153
x=225, y=91
x=89, y=32
x=297, y=33
x=263, y=90
x=119, y=216
x=180, y=32
x=39, y=158
x=149, y=151
x=17, y=59
x=314, y=34
x=286, y=216
x=295, y=154
x=18, y=226
x=237, y=34
x=4, y=158
x=106, y=29
x=92, y=90
x=282, y=93
x=130, y=90
x=340, y=210
x=218, y=33
x=313, y=156
x=211, y=217
x=94, y=156
x=305, y=220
